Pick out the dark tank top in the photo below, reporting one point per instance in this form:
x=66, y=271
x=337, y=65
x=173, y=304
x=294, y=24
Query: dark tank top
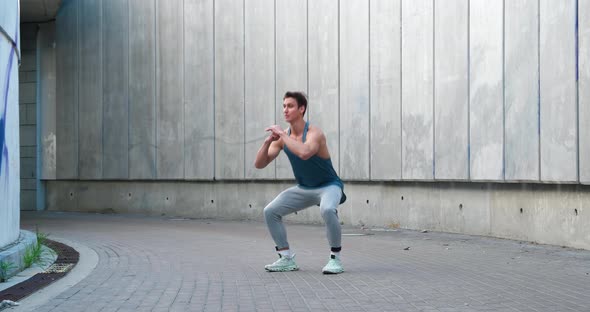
x=314, y=172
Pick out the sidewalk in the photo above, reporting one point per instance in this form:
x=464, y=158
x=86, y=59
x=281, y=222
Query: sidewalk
x=175, y=264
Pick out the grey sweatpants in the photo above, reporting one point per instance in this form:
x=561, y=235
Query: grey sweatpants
x=295, y=199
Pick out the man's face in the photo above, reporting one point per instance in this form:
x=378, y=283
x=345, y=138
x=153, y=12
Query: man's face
x=290, y=110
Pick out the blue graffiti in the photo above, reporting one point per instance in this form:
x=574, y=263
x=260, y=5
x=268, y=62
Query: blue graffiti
x=3, y=146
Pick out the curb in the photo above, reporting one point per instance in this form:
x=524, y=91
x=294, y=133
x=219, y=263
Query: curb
x=74, y=262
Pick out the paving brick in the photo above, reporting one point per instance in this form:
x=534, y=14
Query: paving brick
x=155, y=264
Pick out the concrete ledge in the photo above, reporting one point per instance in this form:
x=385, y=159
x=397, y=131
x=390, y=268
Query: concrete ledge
x=550, y=214
x=15, y=252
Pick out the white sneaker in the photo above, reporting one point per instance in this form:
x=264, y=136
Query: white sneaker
x=284, y=264
x=334, y=266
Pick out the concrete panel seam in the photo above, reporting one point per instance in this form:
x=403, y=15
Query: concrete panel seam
x=339, y=97
x=128, y=88
x=101, y=13
x=401, y=83
x=274, y=164
x=503, y=90
x=433, y=89
x=307, y=50
x=369, y=84
x=244, y=84
x=539, y=86
x=214, y=95
x=77, y=106
x=577, y=49
x=156, y=86
x=468, y=90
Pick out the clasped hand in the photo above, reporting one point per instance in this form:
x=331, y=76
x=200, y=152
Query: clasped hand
x=275, y=132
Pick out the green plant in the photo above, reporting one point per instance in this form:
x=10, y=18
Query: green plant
x=5, y=267
x=41, y=238
x=34, y=252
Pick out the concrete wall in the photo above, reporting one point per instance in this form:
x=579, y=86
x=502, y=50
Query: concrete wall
x=405, y=90
x=37, y=111
x=9, y=123
x=46, y=101
x=583, y=76
x=551, y=214
x=28, y=117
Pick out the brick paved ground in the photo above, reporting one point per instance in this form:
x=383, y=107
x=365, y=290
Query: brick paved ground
x=161, y=264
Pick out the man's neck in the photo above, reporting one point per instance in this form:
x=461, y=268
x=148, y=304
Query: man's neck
x=297, y=127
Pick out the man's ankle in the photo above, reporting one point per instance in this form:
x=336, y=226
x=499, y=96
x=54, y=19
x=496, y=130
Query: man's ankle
x=335, y=252
x=285, y=252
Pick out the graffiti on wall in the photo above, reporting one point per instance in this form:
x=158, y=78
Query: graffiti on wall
x=9, y=123
x=4, y=161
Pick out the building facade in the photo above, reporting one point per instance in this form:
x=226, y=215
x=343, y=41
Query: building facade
x=471, y=117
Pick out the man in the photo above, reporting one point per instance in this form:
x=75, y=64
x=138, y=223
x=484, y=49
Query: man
x=317, y=182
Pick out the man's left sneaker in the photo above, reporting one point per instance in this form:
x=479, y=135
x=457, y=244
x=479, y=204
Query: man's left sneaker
x=334, y=266
x=284, y=264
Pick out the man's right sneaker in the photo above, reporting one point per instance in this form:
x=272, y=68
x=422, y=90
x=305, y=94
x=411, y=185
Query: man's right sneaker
x=284, y=264
x=334, y=266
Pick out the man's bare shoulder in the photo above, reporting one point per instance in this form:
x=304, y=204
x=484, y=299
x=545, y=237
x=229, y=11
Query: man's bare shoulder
x=315, y=130
x=316, y=133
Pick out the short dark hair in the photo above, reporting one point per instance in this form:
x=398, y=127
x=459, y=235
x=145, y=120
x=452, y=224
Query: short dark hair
x=299, y=97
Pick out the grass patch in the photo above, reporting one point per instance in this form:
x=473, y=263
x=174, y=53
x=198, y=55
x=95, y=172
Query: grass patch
x=5, y=267
x=34, y=252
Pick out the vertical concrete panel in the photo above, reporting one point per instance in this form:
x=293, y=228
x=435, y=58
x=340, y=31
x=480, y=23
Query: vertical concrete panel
x=229, y=90
x=169, y=86
x=10, y=153
x=486, y=94
x=116, y=89
x=10, y=23
x=142, y=107
x=451, y=90
x=584, y=89
x=259, y=81
x=199, y=142
x=417, y=89
x=558, y=90
x=9, y=125
x=521, y=38
x=90, y=99
x=354, y=89
x=385, y=78
x=291, y=63
x=47, y=100
x=67, y=91
x=323, y=57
